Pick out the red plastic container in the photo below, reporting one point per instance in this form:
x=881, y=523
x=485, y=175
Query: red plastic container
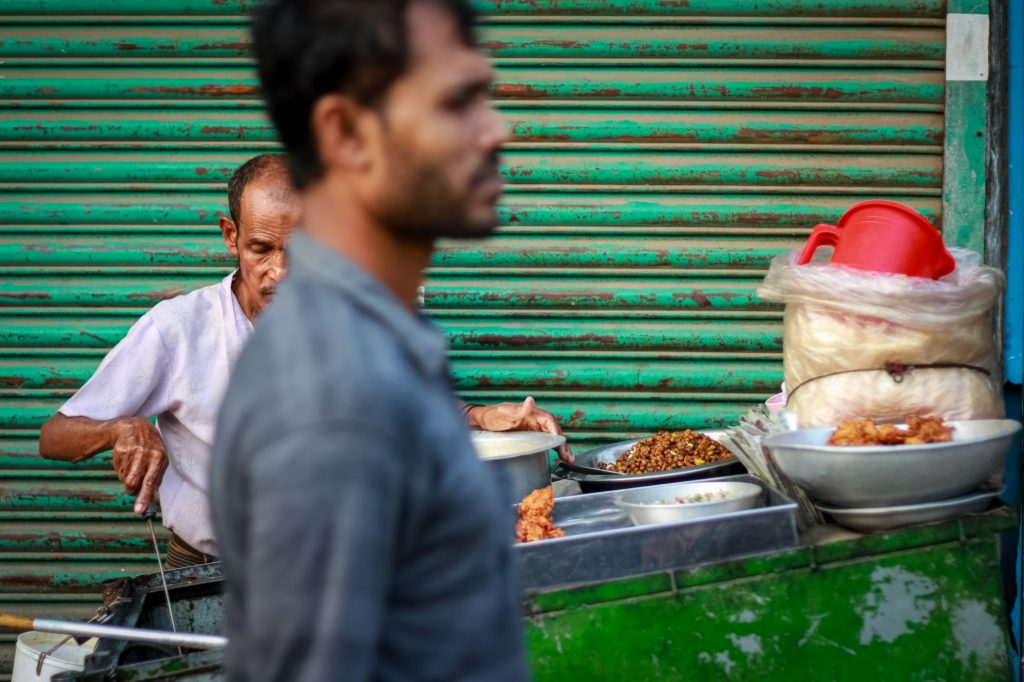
x=883, y=236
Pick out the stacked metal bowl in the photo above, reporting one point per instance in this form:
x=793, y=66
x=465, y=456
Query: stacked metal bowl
x=886, y=486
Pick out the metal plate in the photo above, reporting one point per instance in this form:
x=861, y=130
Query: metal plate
x=602, y=543
x=885, y=518
x=607, y=454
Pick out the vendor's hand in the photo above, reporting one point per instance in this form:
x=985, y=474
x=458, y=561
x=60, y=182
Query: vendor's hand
x=525, y=416
x=139, y=459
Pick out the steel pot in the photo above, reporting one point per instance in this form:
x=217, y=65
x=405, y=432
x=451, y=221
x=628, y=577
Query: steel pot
x=519, y=458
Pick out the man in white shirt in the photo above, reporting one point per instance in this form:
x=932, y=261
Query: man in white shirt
x=174, y=365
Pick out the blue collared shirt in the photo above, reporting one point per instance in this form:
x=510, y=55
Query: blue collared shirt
x=362, y=538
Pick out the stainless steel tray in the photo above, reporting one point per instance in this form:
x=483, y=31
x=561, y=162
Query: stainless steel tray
x=601, y=543
x=607, y=454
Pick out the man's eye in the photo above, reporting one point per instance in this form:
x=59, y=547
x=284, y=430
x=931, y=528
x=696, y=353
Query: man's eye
x=462, y=101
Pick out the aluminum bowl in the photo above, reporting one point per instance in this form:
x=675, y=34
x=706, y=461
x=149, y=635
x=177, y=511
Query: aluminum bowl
x=520, y=458
x=883, y=476
x=646, y=506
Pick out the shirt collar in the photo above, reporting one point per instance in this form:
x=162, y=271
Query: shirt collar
x=236, y=305
x=413, y=332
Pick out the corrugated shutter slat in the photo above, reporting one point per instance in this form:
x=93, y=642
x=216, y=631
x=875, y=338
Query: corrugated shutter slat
x=662, y=154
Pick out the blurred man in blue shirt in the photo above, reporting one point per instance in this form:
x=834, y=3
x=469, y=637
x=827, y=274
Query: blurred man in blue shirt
x=361, y=536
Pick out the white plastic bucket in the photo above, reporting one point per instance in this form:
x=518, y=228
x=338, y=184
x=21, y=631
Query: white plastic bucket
x=68, y=657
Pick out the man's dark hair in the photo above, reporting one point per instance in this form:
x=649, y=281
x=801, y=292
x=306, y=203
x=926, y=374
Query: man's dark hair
x=253, y=169
x=308, y=48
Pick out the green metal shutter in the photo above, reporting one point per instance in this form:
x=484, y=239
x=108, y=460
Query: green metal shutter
x=664, y=151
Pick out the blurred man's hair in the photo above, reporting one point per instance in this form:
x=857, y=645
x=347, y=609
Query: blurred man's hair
x=308, y=48
x=254, y=169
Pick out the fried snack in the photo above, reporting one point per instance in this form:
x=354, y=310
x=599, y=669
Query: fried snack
x=668, y=450
x=920, y=430
x=535, y=517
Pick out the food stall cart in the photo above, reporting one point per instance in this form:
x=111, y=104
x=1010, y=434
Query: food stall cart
x=916, y=603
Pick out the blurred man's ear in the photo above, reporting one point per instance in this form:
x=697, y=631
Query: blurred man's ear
x=340, y=131
x=229, y=231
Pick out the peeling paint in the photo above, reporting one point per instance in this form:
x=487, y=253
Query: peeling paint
x=748, y=644
x=973, y=627
x=744, y=616
x=898, y=600
x=723, y=659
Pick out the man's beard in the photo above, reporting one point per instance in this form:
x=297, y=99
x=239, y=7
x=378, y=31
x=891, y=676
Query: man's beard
x=422, y=204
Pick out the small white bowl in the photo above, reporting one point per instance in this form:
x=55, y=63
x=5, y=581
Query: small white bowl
x=652, y=505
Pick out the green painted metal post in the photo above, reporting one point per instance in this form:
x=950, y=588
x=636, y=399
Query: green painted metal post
x=963, y=199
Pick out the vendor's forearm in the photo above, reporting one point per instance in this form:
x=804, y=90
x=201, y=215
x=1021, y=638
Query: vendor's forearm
x=73, y=439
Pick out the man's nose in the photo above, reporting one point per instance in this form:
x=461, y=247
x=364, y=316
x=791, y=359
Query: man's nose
x=495, y=133
x=278, y=267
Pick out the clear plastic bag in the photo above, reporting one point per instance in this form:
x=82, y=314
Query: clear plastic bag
x=848, y=333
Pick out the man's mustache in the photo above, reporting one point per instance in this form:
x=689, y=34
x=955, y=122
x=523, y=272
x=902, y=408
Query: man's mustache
x=490, y=167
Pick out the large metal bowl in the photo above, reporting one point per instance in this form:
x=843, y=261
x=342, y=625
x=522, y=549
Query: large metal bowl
x=648, y=505
x=881, y=476
x=607, y=454
x=520, y=458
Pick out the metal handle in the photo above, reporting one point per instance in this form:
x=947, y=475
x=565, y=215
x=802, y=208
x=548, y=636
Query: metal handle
x=182, y=639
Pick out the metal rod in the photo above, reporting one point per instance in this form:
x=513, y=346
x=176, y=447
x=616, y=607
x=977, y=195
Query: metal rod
x=183, y=639
x=160, y=564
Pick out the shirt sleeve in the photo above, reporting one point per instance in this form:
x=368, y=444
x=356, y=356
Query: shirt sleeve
x=134, y=379
x=315, y=606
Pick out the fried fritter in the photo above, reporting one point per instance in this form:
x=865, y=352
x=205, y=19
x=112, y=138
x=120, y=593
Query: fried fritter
x=535, y=517
x=920, y=430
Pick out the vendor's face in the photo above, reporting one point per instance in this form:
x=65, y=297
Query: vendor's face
x=440, y=136
x=268, y=215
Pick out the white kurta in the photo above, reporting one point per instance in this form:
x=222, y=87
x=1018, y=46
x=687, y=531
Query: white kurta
x=174, y=365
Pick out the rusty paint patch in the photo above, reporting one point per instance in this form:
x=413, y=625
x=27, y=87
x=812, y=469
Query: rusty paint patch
x=82, y=332
x=61, y=382
x=523, y=341
x=567, y=44
x=12, y=382
x=25, y=295
x=241, y=46
x=519, y=90
x=576, y=419
x=779, y=174
x=157, y=294
x=208, y=90
x=697, y=296
x=798, y=92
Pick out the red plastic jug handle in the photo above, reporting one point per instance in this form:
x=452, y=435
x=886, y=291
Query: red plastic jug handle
x=821, y=235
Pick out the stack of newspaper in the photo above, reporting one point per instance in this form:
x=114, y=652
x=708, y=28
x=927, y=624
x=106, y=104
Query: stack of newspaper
x=745, y=441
